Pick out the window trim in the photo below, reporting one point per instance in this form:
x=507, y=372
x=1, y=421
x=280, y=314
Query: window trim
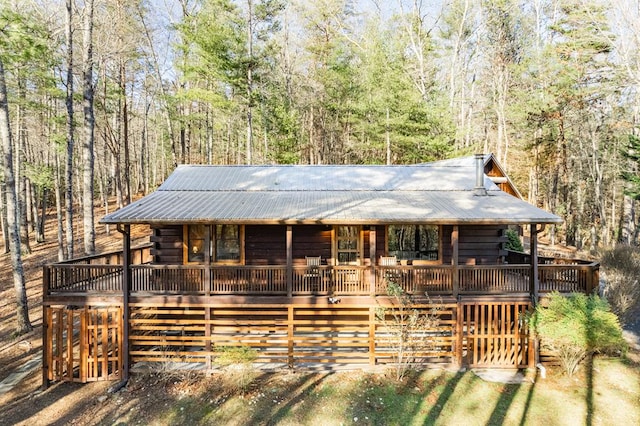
x=359, y=250
x=422, y=261
x=210, y=246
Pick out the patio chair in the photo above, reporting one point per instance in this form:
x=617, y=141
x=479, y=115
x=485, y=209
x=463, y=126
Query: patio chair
x=312, y=275
x=389, y=263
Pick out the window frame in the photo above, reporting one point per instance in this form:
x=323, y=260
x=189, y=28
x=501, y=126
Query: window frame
x=437, y=261
x=358, y=250
x=210, y=246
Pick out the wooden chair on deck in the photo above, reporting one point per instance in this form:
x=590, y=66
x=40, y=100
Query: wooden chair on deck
x=389, y=263
x=312, y=275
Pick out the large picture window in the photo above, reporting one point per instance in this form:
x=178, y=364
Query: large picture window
x=225, y=244
x=414, y=242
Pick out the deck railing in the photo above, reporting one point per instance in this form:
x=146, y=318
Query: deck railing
x=323, y=280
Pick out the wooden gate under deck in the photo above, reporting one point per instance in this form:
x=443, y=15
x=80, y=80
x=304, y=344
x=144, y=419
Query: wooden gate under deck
x=496, y=335
x=82, y=344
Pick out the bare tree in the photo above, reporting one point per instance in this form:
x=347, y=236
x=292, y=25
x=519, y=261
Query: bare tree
x=89, y=126
x=23, y=325
x=70, y=129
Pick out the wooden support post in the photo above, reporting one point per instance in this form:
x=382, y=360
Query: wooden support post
x=207, y=334
x=289, y=261
x=372, y=257
x=455, y=234
x=126, y=286
x=207, y=260
x=372, y=335
x=458, y=314
x=69, y=347
x=46, y=339
x=290, y=318
x=535, y=281
x=83, y=342
x=46, y=324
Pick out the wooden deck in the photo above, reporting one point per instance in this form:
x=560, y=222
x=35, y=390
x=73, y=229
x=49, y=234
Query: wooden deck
x=435, y=280
x=293, y=316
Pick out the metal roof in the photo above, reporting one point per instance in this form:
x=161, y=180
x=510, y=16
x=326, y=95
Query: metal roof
x=429, y=193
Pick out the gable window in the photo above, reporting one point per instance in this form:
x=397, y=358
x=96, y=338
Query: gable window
x=223, y=243
x=414, y=242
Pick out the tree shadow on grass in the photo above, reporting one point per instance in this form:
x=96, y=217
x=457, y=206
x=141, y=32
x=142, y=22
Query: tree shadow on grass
x=507, y=395
x=444, y=397
x=527, y=404
x=303, y=389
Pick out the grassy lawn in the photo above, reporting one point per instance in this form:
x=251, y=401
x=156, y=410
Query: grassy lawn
x=429, y=397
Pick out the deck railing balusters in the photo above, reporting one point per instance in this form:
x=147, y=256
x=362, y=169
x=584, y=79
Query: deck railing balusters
x=330, y=280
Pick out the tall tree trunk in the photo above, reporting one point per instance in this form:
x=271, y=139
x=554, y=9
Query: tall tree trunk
x=21, y=180
x=70, y=140
x=23, y=325
x=89, y=126
x=5, y=225
x=58, y=195
x=249, y=146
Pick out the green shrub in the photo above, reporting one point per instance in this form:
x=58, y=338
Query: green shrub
x=513, y=241
x=575, y=326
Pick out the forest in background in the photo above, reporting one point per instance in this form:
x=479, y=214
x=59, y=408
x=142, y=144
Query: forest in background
x=103, y=98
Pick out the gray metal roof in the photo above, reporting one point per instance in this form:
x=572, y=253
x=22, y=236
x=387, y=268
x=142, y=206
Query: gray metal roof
x=428, y=193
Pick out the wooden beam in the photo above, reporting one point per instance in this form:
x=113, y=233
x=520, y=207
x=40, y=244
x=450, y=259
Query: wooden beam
x=372, y=258
x=535, y=279
x=46, y=339
x=289, y=260
x=126, y=286
x=455, y=236
x=207, y=260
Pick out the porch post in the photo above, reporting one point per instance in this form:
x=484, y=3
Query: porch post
x=372, y=257
x=126, y=286
x=289, y=261
x=534, y=285
x=207, y=260
x=46, y=353
x=455, y=279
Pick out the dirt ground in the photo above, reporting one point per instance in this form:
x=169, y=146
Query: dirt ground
x=24, y=403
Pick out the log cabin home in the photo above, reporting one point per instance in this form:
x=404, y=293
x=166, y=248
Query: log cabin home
x=293, y=261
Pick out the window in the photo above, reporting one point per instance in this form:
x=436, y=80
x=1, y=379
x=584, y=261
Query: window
x=414, y=241
x=347, y=245
x=225, y=246
x=196, y=243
